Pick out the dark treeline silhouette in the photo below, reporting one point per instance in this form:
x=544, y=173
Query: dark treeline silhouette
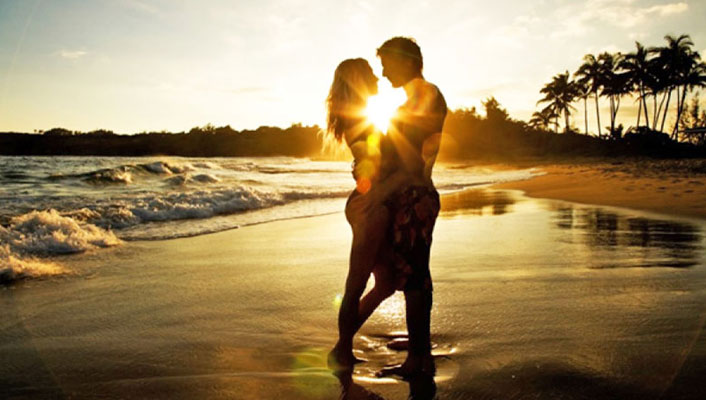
x=469, y=135
x=650, y=75
x=206, y=141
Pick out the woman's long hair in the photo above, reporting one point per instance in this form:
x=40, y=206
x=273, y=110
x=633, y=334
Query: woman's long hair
x=348, y=96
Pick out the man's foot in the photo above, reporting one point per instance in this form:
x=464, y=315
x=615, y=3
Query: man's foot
x=412, y=367
x=341, y=361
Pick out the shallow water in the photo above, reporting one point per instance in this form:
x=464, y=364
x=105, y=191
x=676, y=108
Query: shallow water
x=533, y=299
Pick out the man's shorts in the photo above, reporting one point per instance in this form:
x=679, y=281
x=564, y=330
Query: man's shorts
x=413, y=213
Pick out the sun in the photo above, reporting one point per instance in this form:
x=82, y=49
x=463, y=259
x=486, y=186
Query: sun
x=382, y=107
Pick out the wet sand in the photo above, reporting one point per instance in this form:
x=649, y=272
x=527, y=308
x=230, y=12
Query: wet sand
x=533, y=299
x=675, y=187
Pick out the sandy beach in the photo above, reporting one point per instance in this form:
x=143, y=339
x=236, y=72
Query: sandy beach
x=674, y=187
x=533, y=299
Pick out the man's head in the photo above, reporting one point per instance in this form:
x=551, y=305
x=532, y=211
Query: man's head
x=401, y=60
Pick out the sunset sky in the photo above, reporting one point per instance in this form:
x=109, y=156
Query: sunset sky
x=142, y=65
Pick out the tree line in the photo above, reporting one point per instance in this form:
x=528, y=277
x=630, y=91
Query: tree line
x=652, y=75
x=206, y=141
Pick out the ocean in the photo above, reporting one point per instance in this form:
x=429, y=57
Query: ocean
x=51, y=206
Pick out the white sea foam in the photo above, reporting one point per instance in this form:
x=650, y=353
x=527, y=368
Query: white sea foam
x=44, y=233
x=183, y=179
x=163, y=167
x=48, y=232
x=14, y=267
x=202, y=204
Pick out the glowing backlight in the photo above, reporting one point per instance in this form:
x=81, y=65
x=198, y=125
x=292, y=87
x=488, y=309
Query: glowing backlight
x=382, y=107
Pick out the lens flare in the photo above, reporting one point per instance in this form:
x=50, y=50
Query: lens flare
x=382, y=107
x=337, y=301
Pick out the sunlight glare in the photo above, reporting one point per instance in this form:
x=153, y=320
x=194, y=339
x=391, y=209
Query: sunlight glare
x=382, y=107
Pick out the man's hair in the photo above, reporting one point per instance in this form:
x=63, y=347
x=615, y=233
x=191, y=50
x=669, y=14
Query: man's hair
x=403, y=47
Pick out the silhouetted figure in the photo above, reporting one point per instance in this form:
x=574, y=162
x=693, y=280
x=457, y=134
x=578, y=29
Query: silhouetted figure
x=353, y=83
x=394, y=207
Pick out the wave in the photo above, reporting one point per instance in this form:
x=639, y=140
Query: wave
x=275, y=171
x=184, y=179
x=74, y=230
x=48, y=233
x=163, y=167
x=111, y=175
x=206, y=165
x=45, y=233
x=14, y=267
x=126, y=174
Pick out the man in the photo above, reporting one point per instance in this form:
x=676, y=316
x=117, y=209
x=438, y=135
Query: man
x=415, y=137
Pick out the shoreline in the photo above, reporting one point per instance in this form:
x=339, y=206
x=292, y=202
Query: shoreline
x=665, y=187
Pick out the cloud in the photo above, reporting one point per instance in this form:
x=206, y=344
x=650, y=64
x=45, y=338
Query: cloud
x=141, y=5
x=668, y=9
x=624, y=14
x=72, y=54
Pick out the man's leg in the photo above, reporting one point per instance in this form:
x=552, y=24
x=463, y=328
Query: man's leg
x=418, y=303
x=419, y=362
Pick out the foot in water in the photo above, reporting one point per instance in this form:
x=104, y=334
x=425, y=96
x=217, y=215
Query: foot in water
x=340, y=360
x=414, y=366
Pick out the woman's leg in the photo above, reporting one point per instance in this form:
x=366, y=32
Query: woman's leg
x=384, y=288
x=369, y=230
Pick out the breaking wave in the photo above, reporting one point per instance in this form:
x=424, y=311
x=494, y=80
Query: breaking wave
x=126, y=174
x=38, y=234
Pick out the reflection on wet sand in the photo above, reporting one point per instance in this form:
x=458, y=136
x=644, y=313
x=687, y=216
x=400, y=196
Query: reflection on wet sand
x=477, y=202
x=649, y=242
x=420, y=388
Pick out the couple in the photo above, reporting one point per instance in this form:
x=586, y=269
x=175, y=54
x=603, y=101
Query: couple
x=394, y=207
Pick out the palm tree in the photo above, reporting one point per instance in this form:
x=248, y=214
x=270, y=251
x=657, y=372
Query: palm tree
x=560, y=93
x=543, y=119
x=636, y=65
x=583, y=90
x=657, y=81
x=677, y=58
x=590, y=74
x=614, y=83
x=694, y=77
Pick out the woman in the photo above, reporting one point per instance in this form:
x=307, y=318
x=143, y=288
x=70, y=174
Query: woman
x=354, y=81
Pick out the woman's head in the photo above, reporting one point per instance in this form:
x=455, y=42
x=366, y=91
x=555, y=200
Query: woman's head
x=353, y=82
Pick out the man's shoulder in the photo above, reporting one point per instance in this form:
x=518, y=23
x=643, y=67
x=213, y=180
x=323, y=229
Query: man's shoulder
x=426, y=94
x=438, y=96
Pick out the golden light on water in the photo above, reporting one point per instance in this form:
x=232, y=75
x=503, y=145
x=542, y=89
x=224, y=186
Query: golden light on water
x=383, y=106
